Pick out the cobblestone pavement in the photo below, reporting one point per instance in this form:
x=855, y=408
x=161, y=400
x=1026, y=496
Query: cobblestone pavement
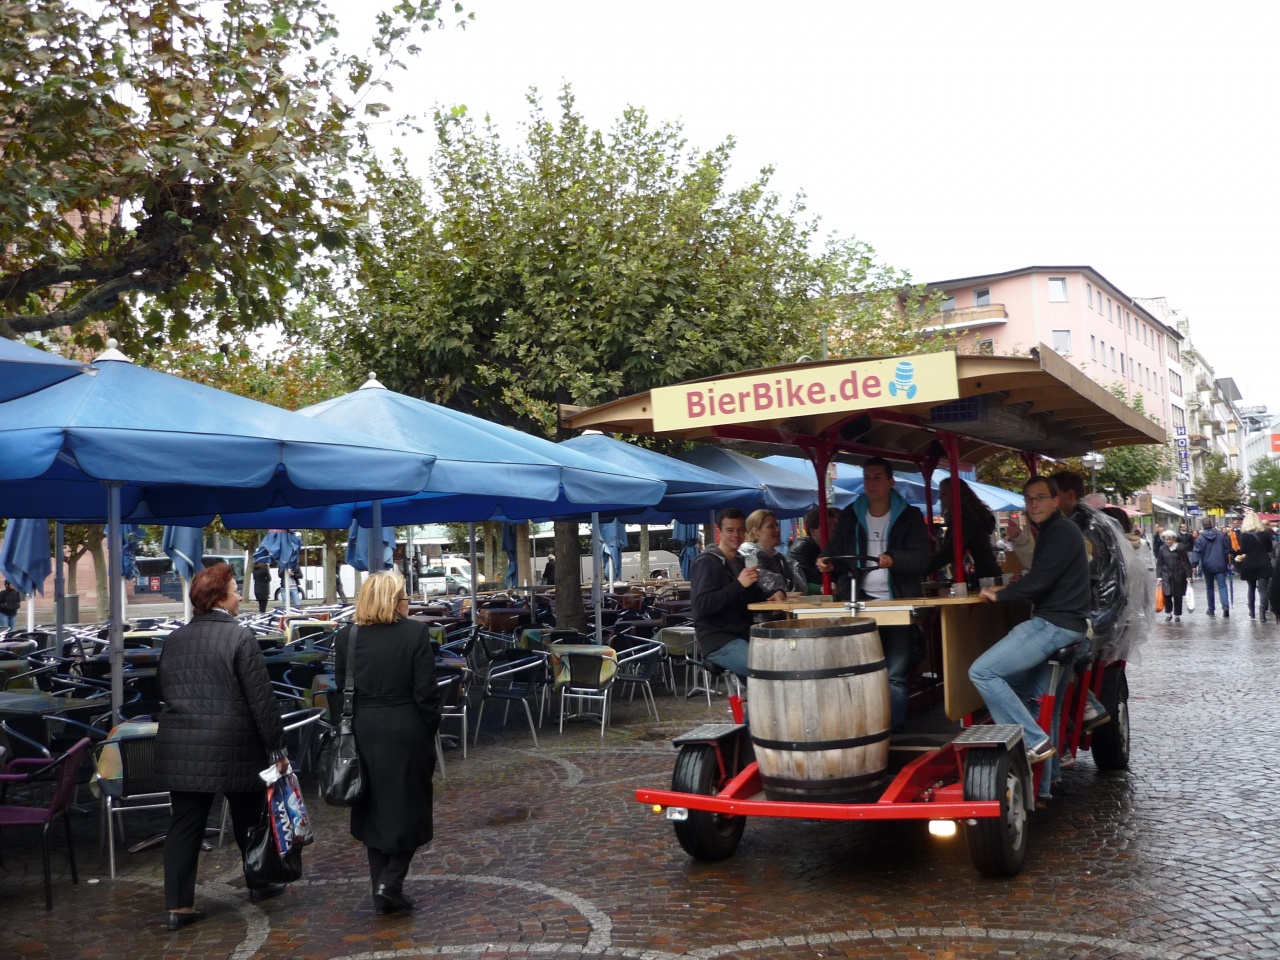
x=543, y=852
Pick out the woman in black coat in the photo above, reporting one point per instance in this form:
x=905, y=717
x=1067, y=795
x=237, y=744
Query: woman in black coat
x=397, y=713
x=978, y=523
x=220, y=727
x=1253, y=563
x=1173, y=567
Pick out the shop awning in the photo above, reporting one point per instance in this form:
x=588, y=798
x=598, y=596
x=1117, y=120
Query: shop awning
x=1165, y=506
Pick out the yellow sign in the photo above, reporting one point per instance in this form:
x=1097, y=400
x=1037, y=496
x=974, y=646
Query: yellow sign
x=803, y=391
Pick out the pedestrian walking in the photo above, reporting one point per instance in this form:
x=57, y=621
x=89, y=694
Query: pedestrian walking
x=10, y=603
x=1212, y=555
x=262, y=585
x=1173, y=567
x=220, y=726
x=1254, y=561
x=397, y=713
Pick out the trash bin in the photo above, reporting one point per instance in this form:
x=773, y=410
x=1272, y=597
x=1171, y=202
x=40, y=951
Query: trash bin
x=71, y=608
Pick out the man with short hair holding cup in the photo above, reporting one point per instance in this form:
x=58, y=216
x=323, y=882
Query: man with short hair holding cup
x=721, y=585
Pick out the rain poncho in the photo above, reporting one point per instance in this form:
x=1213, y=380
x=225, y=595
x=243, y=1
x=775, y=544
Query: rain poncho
x=1121, y=586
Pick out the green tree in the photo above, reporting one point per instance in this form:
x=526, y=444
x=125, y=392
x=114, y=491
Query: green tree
x=1131, y=469
x=1264, y=477
x=1218, y=488
x=199, y=154
x=581, y=265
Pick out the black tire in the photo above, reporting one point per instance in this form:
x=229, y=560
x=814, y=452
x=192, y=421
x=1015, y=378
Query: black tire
x=997, y=845
x=705, y=835
x=1110, y=743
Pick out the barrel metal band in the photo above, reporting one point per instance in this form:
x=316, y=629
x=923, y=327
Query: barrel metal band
x=827, y=673
x=806, y=746
x=819, y=787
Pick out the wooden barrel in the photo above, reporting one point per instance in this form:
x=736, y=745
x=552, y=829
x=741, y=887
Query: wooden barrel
x=818, y=708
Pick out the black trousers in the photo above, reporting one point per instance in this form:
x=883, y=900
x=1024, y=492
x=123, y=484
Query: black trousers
x=262, y=604
x=187, y=821
x=389, y=869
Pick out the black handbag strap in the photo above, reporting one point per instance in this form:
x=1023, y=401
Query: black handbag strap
x=349, y=686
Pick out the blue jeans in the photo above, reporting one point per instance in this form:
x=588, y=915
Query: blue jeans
x=1210, y=578
x=1017, y=669
x=732, y=657
x=8, y=620
x=896, y=642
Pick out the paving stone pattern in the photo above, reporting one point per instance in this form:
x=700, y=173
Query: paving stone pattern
x=544, y=853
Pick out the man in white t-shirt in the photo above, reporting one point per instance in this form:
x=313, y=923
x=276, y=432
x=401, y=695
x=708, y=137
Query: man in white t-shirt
x=881, y=524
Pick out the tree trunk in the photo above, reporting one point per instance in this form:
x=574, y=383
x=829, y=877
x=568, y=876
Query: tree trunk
x=570, y=612
x=524, y=562
x=331, y=565
x=100, y=576
x=644, y=551
x=73, y=560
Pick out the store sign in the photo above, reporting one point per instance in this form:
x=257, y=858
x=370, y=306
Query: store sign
x=1275, y=443
x=802, y=391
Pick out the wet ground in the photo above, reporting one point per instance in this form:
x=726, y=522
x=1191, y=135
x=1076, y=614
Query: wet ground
x=543, y=852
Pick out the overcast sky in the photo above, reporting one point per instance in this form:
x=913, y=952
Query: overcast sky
x=956, y=138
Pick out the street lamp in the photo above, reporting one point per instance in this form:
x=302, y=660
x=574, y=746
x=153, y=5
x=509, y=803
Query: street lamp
x=1095, y=462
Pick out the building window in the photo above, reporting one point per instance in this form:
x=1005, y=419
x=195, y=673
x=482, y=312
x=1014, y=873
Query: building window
x=1174, y=353
x=982, y=298
x=1088, y=292
x=949, y=303
x=1057, y=289
x=1113, y=358
x=1108, y=308
x=985, y=347
x=1062, y=342
x=1093, y=347
x=1122, y=365
x=1175, y=384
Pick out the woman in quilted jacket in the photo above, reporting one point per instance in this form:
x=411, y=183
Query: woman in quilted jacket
x=220, y=727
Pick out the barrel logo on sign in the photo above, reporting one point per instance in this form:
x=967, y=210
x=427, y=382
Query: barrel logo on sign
x=819, y=708
x=902, y=381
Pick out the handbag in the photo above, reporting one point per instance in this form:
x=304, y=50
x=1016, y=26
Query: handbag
x=290, y=824
x=263, y=864
x=342, y=779
x=1189, y=601
x=1159, y=596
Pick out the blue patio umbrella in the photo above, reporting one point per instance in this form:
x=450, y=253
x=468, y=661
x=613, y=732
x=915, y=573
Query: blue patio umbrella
x=358, y=549
x=482, y=470
x=996, y=498
x=613, y=540
x=138, y=444
x=686, y=534
x=786, y=493
x=25, y=370
x=691, y=491
x=185, y=547
x=281, y=546
x=848, y=482
x=509, y=548
x=26, y=560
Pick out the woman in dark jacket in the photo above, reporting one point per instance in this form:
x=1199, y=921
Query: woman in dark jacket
x=1173, y=567
x=978, y=523
x=220, y=727
x=1253, y=563
x=397, y=712
x=262, y=585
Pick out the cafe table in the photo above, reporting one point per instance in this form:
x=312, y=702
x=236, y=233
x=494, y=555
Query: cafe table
x=27, y=703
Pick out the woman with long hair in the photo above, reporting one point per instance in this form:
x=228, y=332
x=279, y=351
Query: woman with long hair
x=1253, y=563
x=397, y=713
x=978, y=523
x=778, y=575
x=220, y=726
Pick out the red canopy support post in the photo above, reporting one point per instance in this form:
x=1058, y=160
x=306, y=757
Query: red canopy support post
x=952, y=446
x=821, y=457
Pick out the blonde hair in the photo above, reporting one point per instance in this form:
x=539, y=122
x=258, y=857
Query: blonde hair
x=379, y=597
x=1253, y=524
x=756, y=521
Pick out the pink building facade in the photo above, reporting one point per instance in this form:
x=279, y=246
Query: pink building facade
x=1082, y=316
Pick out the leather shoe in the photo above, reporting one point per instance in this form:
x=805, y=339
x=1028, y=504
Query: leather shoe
x=174, y=920
x=386, y=900
x=258, y=894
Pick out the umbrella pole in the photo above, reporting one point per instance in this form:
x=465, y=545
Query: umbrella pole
x=186, y=599
x=375, y=537
x=284, y=588
x=31, y=613
x=59, y=589
x=597, y=593
x=474, y=575
x=115, y=587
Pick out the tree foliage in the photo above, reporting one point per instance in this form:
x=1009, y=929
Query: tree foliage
x=1264, y=476
x=580, y=265
x=1218, y=488
x=200, y=154
x=1131, y=469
